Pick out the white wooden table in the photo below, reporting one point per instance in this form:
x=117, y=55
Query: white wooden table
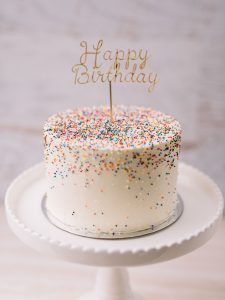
x=199, y=275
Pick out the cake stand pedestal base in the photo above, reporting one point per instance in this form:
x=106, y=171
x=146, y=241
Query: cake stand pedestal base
x=111, y=284
x=203, y=207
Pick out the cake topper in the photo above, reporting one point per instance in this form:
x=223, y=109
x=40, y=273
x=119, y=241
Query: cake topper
x=98, y=65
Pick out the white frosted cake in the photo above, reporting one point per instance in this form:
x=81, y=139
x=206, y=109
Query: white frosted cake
x=111, y=179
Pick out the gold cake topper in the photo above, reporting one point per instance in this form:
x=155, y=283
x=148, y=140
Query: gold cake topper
x=99, y=66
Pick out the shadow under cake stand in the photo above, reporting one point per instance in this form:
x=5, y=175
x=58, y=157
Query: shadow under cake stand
x=203, y=207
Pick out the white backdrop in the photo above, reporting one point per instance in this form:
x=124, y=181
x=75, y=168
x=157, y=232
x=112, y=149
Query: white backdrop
x=39, y=43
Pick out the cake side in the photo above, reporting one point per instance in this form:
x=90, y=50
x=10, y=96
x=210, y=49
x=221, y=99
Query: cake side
x=118, y=178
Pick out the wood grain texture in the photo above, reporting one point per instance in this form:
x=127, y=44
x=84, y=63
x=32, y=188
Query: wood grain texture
x=39, y=43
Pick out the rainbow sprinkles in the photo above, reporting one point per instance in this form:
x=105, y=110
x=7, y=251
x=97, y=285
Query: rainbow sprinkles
x=111, y=179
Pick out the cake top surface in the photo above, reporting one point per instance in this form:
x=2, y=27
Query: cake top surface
x=91, y=128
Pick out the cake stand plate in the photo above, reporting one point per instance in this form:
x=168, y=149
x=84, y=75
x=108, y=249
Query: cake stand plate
x=203, y=207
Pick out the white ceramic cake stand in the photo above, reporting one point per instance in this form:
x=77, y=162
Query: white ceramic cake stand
x=203, y=206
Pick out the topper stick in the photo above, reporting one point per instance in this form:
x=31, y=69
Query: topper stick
x=110, y=95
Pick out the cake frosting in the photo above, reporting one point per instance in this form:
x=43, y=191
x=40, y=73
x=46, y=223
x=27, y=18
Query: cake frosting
x=111, y=178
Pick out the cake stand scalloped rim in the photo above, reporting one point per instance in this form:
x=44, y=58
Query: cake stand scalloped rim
x=12, y=215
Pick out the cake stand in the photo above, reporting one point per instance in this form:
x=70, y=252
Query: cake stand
x=203, y=206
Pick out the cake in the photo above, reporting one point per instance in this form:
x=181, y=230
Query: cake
x=111, y=178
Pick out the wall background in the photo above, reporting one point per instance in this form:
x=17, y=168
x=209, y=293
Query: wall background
x=39, y=43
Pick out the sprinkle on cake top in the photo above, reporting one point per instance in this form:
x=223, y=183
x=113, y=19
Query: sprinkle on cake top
x=132, y=127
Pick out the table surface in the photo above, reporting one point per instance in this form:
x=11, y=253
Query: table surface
x=26, y=274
